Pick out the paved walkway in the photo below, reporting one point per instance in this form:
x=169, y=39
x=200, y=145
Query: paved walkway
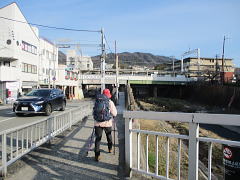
x=66, y=157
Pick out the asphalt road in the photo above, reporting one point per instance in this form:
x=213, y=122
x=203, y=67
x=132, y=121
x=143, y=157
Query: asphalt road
x=8, y=119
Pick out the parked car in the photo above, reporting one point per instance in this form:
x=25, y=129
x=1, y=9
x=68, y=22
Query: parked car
x=40, y=101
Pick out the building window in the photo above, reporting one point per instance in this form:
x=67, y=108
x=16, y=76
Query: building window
x=29, y=48
x=28, y=68
x=25, y=67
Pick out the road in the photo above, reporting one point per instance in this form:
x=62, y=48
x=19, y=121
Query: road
x=8, y=119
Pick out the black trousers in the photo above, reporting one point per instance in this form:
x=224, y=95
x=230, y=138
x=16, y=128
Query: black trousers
x=98, y=135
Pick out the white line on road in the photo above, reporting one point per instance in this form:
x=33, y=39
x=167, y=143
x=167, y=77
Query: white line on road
x=7, y=119
x=10, y=112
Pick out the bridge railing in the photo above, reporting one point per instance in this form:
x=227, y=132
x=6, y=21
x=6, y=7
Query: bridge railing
x=193, y=139
x=17, y=142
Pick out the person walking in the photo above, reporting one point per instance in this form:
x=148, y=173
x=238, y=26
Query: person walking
x=104, y=112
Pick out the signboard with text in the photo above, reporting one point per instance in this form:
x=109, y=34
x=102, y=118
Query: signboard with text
x=231, y=162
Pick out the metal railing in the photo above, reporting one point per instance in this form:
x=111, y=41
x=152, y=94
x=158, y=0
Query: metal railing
x=17, y=142
x=193, y=119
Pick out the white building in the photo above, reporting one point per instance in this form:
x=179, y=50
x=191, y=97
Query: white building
x=48, y=63
x=28, y=62
x=80, y=62
x=19, y=44
x=86, y=63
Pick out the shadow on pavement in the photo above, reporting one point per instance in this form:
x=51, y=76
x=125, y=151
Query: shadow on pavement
x=52, y=162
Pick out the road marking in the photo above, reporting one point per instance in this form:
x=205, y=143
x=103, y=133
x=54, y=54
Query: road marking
x=7, y=119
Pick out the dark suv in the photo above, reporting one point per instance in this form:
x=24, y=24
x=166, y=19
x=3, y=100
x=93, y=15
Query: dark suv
x=40, y=101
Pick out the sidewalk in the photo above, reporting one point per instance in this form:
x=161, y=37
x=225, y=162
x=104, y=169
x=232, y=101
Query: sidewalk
x=66, y=157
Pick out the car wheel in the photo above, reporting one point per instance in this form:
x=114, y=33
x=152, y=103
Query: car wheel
x=19, y=114
x=48, y=110
x=63, y=106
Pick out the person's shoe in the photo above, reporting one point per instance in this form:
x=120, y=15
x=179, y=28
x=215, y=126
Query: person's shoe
x=110, y=150
x=97, y=158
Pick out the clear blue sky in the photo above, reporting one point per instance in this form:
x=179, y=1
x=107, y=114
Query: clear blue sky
x=161, y=27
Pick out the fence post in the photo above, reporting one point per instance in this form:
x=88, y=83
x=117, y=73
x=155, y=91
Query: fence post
x=70, y=119
x=50, y=128
x=4, y=154
x=128, y=146
x=193, y=151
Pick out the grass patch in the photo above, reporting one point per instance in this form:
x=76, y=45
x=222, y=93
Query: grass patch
x=151, y=161
x=171, y=105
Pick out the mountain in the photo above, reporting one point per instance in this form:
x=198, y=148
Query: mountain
x=127, y=59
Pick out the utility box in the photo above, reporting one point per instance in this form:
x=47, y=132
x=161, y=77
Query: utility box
x=231, y=162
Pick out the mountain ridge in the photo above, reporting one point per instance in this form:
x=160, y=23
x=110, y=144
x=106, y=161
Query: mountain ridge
x=128, y=59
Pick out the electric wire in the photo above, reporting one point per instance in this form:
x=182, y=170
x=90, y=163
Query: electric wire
x=51, y=27
x=107, y=43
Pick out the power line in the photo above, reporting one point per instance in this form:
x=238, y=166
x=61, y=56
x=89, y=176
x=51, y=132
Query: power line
x=64, y=45
x=107, y=43
x=51, y=27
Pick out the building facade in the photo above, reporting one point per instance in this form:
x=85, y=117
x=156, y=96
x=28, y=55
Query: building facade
x=28, y=61
x=19, y=44
x=48, y=63
x=205, y=67
x=83, y=63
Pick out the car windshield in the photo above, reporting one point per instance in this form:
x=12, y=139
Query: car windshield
x=40, y=93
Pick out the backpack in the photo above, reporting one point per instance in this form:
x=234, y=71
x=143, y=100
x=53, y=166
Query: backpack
x=101, y=110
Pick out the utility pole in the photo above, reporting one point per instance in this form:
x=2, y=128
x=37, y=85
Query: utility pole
x=117, y=83
x=102, y=61
x=54, y=58
x=217, y=68
x=222, y=73
x=173, y=65
x=49, y=76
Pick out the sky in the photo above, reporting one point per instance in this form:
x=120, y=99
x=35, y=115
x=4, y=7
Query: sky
x=160, y=27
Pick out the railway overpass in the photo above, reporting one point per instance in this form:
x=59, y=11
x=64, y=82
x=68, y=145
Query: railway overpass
x=95, y=79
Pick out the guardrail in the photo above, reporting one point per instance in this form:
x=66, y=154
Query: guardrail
x=193, y=119
x=17, y=142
